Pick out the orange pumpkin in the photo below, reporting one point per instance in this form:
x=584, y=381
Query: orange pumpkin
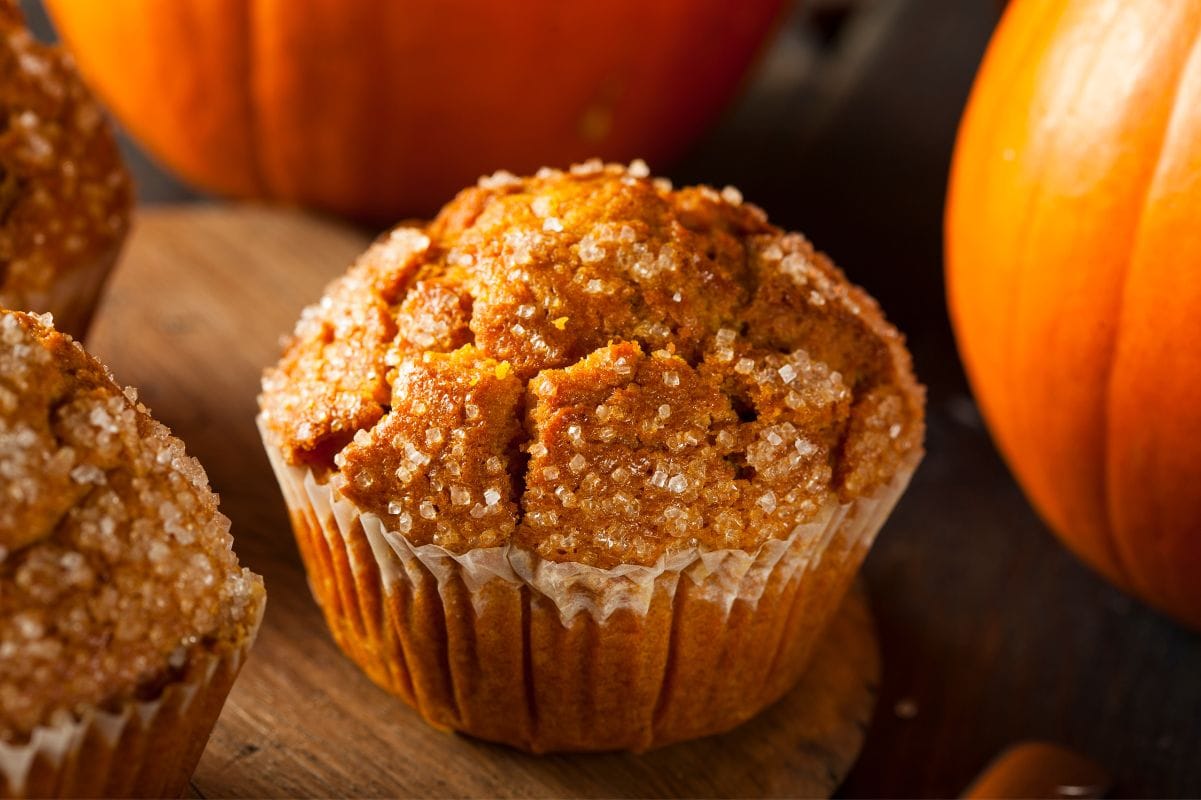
x=1073, y=245
x=380, y=109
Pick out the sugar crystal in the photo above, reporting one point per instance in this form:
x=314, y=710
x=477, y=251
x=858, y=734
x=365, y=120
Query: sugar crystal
x=590, y=251
x=87, y=473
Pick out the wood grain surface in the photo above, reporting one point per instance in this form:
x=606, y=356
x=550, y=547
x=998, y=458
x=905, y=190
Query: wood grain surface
x=193, y=314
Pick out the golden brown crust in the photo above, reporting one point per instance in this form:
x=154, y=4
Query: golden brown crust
x=693, y=375
x=115, y=564
x=448, y=437
x=65, y=196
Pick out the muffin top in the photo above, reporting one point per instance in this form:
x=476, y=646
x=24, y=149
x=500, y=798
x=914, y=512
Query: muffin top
x=114, y=560
x=596, y=367
x=64, y=194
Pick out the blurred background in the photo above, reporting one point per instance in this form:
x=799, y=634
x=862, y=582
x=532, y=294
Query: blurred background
x=991, y=631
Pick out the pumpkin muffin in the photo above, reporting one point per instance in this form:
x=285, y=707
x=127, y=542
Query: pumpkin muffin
x=587, y=463
x=124, y=615
x=65, y=196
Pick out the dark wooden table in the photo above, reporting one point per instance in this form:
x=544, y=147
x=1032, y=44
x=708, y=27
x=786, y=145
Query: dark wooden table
x=991, y=632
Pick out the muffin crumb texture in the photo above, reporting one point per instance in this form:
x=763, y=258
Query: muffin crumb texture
x=65, y=196
x=115, y=563
x=599, y=368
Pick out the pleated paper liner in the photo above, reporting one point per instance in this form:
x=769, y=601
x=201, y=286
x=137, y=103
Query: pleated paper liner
x=73, y=296
x=141, y=749
x=545, y=656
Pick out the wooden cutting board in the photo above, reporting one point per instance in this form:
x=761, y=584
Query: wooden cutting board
x=193, y=314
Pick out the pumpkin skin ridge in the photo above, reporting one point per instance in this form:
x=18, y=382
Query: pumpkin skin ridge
x=1145, y=584
x=1107, y=559
x=258, y=173
x=1123, y=573
x=994, y=406
x=1121, y=570
x=1145, y=113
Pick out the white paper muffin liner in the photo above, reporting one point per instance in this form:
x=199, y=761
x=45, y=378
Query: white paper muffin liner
x=72, y=297
x=363, y=567
x=144, y=748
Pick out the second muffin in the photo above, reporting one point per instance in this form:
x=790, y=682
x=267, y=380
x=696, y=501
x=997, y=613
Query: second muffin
x=124, y=613
x=65, y=195
x=588, y=463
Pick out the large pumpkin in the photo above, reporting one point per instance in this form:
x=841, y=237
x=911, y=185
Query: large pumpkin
x=1073, y=244
x=383, y=108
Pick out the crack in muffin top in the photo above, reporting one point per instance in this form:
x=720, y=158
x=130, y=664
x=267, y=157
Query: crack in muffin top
x=115, y=564
x=596, y=367
x=65, y=195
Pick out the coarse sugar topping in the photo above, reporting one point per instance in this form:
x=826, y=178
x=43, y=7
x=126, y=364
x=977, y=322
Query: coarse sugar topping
x=597, y=367
x=65, y=196
x=115, y=564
